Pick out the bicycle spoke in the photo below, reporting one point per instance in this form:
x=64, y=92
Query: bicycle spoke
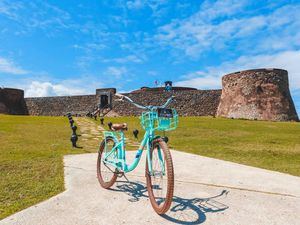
x=107, y=157
x=158, y=177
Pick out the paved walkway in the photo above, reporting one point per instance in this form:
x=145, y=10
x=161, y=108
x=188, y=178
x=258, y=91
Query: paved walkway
x=207, y=191
x=92, y=134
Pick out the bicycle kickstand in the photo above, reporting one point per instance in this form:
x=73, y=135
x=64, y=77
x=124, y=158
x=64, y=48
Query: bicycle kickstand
x=122, y=174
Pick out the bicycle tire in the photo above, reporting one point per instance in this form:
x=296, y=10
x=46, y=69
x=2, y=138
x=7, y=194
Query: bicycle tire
x=159, y=206
x=101, y=166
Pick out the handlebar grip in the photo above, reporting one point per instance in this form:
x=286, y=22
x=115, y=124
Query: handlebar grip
x=119, y=95
x=122, y=97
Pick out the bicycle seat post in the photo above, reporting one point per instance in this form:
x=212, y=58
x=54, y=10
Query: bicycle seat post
x=122, y=135
x=123, y=146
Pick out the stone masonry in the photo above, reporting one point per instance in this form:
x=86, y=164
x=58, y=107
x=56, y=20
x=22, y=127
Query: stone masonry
x=12, y=101
x=187, y=102
x=261, y=94
x=59, y=106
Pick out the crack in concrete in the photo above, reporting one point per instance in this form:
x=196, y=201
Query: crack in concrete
x=208, y=184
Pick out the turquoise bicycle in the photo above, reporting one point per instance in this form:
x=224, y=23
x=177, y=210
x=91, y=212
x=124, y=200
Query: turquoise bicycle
x=159, y=170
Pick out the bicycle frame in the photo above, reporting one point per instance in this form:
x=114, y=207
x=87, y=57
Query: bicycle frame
x=119, y=160
x=148, y=123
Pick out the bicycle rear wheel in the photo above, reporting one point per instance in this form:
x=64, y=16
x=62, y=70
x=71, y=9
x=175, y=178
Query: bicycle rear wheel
x=106, y=173
x=160, y=184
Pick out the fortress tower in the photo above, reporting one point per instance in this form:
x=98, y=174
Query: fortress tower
x=12, y=101
x=261, y=94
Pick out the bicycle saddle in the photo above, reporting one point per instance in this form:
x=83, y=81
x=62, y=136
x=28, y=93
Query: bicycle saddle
x=119, y=126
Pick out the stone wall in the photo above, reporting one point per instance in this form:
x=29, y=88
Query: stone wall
x=161, y=89
x=12, y=101
x=187, y=102
x=59, y=106
x=261, y=94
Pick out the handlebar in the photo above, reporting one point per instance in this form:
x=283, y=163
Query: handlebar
x=131, y=101
x=122, y=97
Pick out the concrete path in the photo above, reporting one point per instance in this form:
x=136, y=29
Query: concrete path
x=207, y=191
x=92, y=134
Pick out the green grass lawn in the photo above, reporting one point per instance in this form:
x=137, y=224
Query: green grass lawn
x=31, y=165
x=32, y=149
x=269, y=145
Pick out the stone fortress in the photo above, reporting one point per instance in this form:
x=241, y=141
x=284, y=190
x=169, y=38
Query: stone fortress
x=12, y=101
x=259, y=94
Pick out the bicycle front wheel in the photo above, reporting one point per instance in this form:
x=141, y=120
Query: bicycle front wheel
x=160, y=183
x=106, y=172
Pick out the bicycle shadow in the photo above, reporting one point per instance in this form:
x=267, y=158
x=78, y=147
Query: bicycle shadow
x=183, y=210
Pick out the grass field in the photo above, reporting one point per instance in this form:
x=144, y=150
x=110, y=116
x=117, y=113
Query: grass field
x=269, y=145
x=31, y=165
x=32, y=149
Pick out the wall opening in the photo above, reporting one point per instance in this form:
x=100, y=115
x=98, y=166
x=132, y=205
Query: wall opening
x=104, y=103
x=105, y=100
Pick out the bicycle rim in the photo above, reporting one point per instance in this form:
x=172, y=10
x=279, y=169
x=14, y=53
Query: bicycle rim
x=106, y=173
x=160, y=183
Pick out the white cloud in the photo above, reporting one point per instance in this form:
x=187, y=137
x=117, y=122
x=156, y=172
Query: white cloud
x=211, y=76
x=136, y=4
x=204, y=81
x=90, y=46
x=214, y=9
x=129, y=58
x=10, y=9
x=219, y=25
x=46, y=86
x=42, y=89
x=116, y=72
x=126, y=59
x=152, y=73
x=30, y=15
x=8, y=66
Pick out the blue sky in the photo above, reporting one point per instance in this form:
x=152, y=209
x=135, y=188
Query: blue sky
x=73, y=47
